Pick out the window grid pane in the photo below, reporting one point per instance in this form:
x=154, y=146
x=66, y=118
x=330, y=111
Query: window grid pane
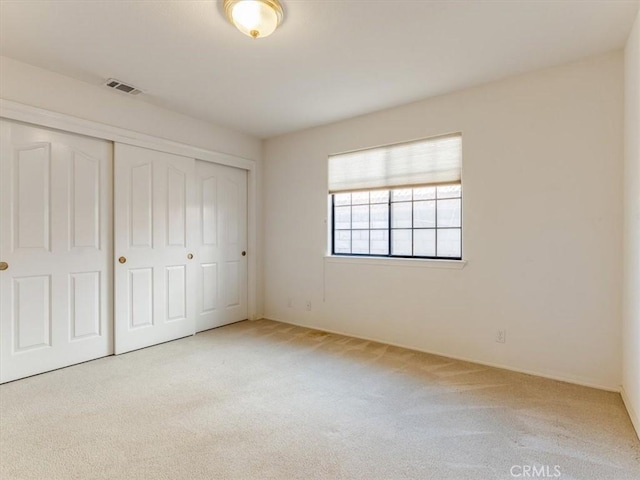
x=421, y=222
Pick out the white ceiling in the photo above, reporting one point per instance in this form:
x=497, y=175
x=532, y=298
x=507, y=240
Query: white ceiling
x=330, y=60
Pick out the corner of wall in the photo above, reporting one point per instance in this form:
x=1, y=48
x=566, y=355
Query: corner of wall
x=633, y=415
x=631, y=279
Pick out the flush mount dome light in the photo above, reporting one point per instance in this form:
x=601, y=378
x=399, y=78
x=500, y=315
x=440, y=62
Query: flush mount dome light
x=255, y=18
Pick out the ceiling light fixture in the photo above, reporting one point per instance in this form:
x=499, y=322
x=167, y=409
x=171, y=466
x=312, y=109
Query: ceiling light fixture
x=255, y=18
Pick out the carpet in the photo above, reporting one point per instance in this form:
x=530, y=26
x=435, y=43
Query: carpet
x=267, y=400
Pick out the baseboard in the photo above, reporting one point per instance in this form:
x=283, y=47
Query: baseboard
x=558, y=378
x=635, y=419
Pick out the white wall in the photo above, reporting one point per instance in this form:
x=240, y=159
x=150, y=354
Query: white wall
x=41, y=88
x=542, y=172
x=45, y=89
x=631, y=328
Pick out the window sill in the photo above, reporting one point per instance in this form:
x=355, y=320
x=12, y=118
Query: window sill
x=397, y=262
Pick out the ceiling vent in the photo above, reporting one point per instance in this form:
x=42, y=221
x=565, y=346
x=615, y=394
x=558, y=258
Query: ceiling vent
x=122, y=87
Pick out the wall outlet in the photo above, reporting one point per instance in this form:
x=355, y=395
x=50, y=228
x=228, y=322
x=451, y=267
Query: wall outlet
x=289, y=303
x=501, y=336
x=308, y=305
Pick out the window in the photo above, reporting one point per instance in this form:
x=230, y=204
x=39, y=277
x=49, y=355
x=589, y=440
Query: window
x=398, y=201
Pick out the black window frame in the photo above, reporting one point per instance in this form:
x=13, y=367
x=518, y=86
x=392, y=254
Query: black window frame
x=390, y=222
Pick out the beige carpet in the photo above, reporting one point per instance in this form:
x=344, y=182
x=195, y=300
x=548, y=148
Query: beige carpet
x=266, y=400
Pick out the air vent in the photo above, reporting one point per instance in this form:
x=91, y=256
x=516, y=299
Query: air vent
x=122, y=87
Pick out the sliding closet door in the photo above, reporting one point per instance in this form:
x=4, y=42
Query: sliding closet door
x=155, y=270
x=55, y=249
x=222, y=245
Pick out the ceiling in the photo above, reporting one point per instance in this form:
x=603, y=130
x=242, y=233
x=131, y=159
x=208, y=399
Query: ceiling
x=330, y=60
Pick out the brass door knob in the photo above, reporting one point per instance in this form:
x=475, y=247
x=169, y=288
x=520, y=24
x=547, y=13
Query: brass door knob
x=122, y=260
x=244, y=254
x=190, y=256
x=4, y=265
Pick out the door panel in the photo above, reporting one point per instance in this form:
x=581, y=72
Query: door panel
x=222, y=237
x=155, y=218
x=176, y=293
x=140, y=297
x=32, y=310
x=84, y=208
x=85, y=302
x=232, y=284
x=209, y=287
x=208, y=207
x=31, y=200
x=176, y=207
x=55, y=234
x=140, y=204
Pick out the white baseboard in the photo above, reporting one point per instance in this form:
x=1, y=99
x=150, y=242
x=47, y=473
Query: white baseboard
x=560, y=378
x=635, y=419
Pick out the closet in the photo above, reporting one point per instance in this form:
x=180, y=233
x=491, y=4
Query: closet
x=109, y=247
x=221, y=245
x=154, y=219
x=55, y=249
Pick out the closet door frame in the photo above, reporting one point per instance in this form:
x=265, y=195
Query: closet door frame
x=41, y=117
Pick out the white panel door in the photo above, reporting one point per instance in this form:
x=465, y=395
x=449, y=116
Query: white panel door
x=155, y=218
x=55, y=240
x=222, y=245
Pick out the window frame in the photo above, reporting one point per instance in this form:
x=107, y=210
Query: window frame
x=389, y=228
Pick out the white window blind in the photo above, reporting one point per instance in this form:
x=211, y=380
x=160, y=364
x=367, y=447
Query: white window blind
x=430, y=161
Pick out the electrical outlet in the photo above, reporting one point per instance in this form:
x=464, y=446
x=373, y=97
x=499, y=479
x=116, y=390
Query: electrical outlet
x=308, y=305
x=289, y=303
x=501, y=336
